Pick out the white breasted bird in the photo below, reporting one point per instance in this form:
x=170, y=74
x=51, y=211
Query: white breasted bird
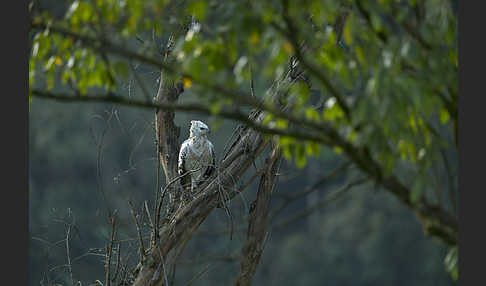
x=196, y=157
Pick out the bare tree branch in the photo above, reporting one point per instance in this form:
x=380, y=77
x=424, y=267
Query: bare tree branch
x=314, y=187
x=328, y=199
x=109, y=249
x=232, y=113
x=68, y=254
x=253, y=247
x=139, y=231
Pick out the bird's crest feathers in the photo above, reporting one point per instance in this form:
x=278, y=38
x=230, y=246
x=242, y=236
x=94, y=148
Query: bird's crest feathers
x=198, y=128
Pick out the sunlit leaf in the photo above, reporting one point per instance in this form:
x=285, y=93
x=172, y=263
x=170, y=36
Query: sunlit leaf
x=444, y=116
x=187, y=82
x=122, y=69
x=198, y=9
x=417, y=191
x=300, y=157
x=337, y=149
x=451, y=262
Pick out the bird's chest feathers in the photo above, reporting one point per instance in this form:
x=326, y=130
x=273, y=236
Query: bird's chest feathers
x=198, y=150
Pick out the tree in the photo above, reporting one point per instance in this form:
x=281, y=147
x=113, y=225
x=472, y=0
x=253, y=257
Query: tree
x=376, y=81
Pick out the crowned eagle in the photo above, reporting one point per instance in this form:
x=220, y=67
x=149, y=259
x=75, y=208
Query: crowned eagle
x=196, y=157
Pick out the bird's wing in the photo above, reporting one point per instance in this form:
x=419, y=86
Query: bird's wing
x=213, y=156
x=182, y=158
x=212, y=162
x=181, y=166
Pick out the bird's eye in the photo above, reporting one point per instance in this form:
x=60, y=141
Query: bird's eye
x=202, y=128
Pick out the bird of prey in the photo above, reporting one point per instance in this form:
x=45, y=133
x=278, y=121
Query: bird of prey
x=196, y=157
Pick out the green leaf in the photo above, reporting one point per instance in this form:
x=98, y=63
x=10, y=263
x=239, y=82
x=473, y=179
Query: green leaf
x=417, y=191
x=301, y=91
x=50, y=63
x=412, y=123
x=35, y=49
x=90, y=61
x=444, y=116
x=347, y=34
x=121, y=68
x=198, y=9
x=338, y=149
x=352, y=136
x=300, y=158
x=287, y=152
x=451, y=262
x=312, y=148
x=50, y=81
x=215, y=107
x=268, y=118
x=238, y=70
x=72, y=9
x=312, y=114
x=316, y=10
x=332, y=112
x=286, y=140
x=281, y=124
x=32, y=72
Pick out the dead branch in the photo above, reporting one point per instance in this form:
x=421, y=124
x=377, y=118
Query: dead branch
x=118, y=261
x=139, y=231
x=328, y=199
x=253, y=247
x=314, y=187
x=69, y=265
x=198, y=275
x=109, y=249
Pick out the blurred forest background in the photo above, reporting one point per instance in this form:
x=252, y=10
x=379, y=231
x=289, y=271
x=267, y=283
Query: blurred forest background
x=86, y=158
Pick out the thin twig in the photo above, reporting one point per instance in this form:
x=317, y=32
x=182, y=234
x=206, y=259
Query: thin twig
x=149, y=216
x=164, y=191
x=199, y=275
x=141, y=84
x=109, y=249
x=252, y=88
x=134, y=215
x=118, y=260
x=314, y=187
x=70, y=269
x=330, y=198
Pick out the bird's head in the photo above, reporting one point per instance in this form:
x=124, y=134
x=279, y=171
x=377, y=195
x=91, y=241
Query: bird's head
x=198, y=129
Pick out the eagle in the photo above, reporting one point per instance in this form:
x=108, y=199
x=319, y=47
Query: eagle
x=196, y=156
